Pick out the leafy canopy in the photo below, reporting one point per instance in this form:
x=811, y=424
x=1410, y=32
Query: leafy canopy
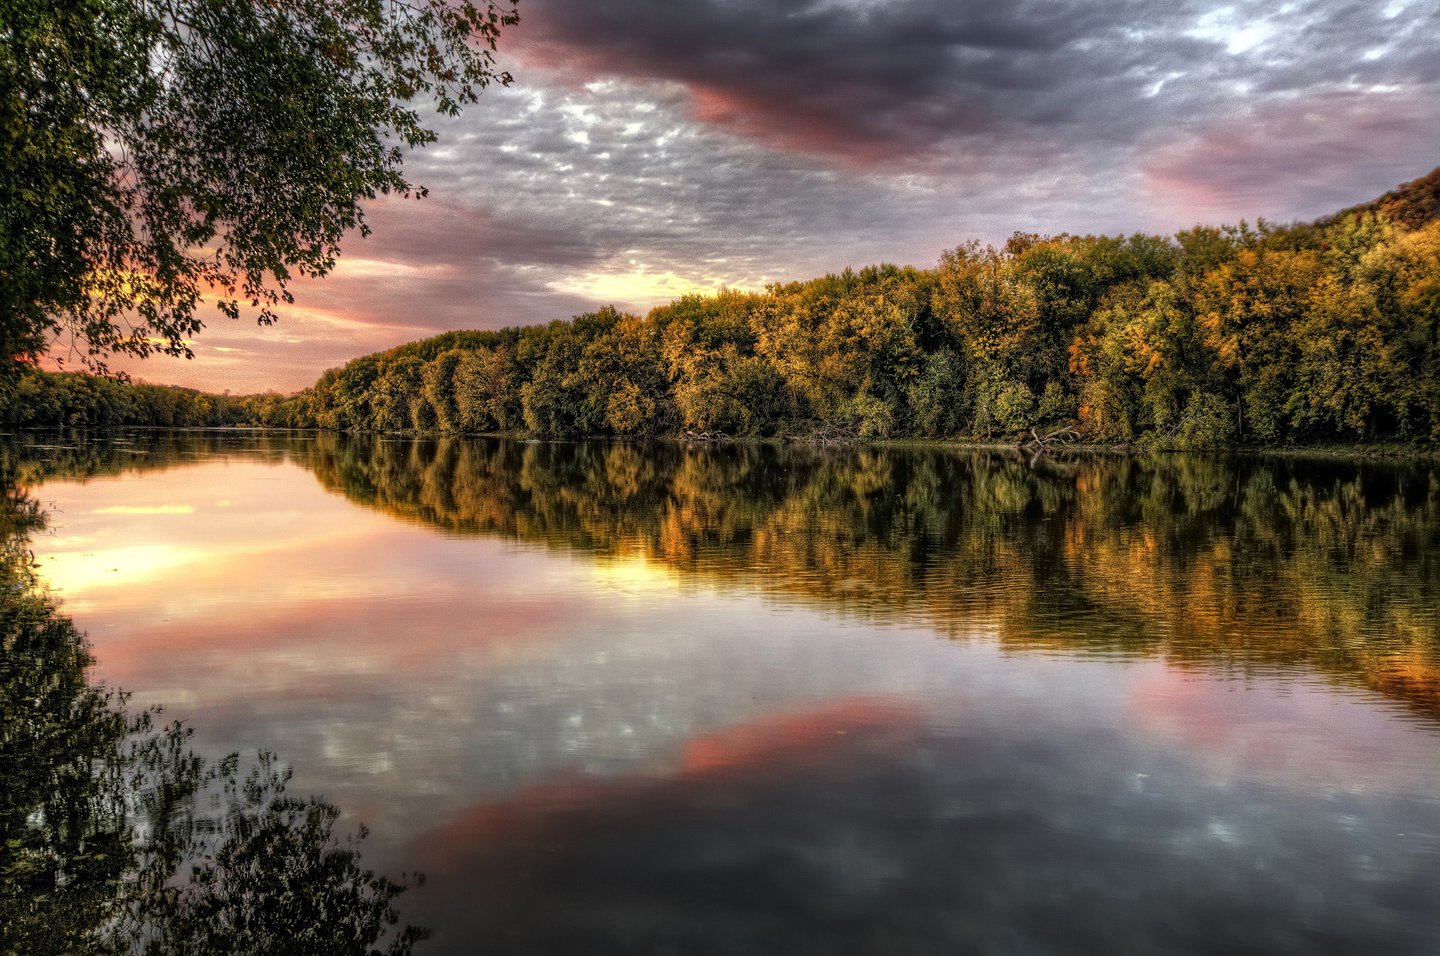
x=154, y=153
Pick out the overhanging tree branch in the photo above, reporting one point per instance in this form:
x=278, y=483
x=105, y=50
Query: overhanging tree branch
x=161, y=153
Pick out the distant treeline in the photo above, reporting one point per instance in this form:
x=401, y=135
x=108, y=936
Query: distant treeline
x=1213, y=337
x=36, y=399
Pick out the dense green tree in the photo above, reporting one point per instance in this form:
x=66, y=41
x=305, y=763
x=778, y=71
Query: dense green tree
x=1248, y=308
x=553, y=399
x=155, y=152
x=873, y=338
x=1347, y=370
x=996, y=317
x=788, y=326
x=624, y=374
x=1100, y=360
x=718, y=383
x=1144, y=368
x=353, y=392
x=74, y=400
x=846, y=346
x=438, y=379
x=488, y=390
x=1414, y=293
x=936, y=395
x=397, y=399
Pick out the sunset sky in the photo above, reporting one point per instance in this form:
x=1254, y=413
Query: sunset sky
x=649, y=149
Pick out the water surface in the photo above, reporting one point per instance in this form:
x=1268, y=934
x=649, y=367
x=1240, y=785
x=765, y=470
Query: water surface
x=619, y=698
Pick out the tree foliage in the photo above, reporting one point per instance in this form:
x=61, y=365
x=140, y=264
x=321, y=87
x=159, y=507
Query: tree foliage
x=1204, y=340
x=1413, y=204
x=1212, y=338
x=156, y=152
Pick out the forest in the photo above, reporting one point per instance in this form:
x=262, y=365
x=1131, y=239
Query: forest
x=1215, y=337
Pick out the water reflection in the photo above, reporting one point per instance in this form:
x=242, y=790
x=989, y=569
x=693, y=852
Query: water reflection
x=1252, y=562
x=1249, y=562
x=116, y=837
x=866, y=830
x=757, y=698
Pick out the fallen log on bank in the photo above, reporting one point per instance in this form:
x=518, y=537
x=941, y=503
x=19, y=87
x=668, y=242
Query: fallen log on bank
x=1060, y=436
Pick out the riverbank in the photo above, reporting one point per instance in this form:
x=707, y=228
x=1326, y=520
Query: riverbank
x=1380, y=451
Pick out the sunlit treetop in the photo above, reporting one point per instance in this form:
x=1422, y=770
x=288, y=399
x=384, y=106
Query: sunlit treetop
x=161, y=154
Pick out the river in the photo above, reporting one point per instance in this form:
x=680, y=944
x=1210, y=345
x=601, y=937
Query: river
x=752, y=699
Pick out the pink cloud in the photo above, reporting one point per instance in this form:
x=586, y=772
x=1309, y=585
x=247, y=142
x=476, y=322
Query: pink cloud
x=1309, y=155
x=488, y=836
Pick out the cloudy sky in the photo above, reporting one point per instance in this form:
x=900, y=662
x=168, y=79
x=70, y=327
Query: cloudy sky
x=651, y=148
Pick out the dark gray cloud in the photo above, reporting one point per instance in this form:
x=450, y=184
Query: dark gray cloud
x=898, y=81
x=651, y=191
x=623, y=164
x=875, y=83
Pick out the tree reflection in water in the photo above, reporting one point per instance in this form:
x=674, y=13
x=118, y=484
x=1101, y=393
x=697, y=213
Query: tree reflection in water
x=1327, y=565
x=1260, y=562
x=897, y=830
x=115, y=837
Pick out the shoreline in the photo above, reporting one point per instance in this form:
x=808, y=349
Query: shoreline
x=1387, y=451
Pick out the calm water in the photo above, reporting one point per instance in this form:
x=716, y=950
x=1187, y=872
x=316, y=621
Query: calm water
x=618, y=698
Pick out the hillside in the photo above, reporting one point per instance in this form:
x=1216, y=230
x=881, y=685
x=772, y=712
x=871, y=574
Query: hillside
x=1412, y=205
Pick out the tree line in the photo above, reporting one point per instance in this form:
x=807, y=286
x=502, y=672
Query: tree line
x=1214, y=337
x=38, y=399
